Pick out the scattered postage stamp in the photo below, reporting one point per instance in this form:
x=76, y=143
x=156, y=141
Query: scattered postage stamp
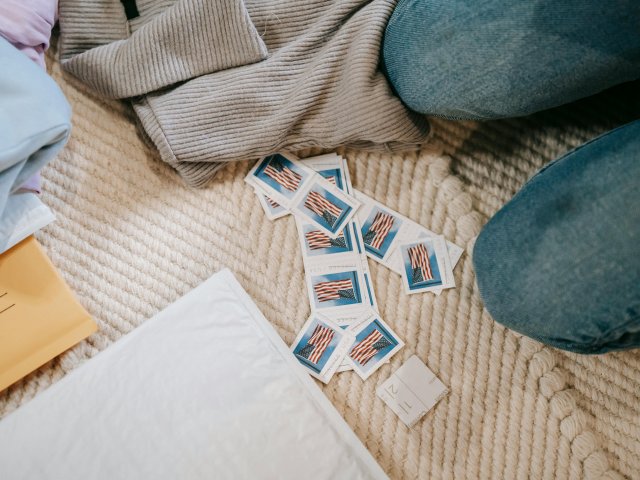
x=280, y=177
x=326, y=206
x=379, y=230
x=316, y=243
x=374, y=344
x=423, y=264
x=336, y=290
x=320, y=346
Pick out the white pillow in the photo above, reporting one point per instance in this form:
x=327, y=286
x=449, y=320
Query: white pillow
x=204, y=390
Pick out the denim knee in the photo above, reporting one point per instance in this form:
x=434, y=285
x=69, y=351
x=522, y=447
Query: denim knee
x=560, y=262
x=490, y=59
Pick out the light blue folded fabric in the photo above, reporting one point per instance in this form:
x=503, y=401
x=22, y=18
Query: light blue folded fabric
x=24, y=214
x=35, y=121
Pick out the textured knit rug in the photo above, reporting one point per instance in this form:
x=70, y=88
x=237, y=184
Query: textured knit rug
x=130, y=239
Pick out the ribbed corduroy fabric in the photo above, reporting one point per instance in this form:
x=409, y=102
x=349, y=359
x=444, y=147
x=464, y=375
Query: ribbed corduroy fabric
x=214, y=81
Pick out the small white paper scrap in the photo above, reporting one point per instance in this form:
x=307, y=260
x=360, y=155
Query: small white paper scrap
x=412, y=391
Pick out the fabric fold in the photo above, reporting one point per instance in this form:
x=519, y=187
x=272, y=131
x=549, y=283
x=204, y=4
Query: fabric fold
x=188, y=39
x=35, y=123
x=319, y=85
x=24, y=215
x=27, y=26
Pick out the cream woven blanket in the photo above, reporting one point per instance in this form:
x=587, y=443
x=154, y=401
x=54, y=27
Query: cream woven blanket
x=131, y=238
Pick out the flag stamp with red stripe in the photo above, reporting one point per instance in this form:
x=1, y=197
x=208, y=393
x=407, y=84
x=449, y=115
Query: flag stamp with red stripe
x=334, y=288
x=379, y=230
x=423, y=264
x=374, y=344
x=282, y=178
x=326, y=206
x=320, y=346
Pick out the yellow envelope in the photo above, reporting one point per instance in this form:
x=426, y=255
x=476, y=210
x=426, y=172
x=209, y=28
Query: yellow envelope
x=39, y=315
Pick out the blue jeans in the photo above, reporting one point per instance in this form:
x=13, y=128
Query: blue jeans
x=561, y=261
x=487, y=59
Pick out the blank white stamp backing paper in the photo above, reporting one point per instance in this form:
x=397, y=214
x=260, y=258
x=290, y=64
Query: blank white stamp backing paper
x=412, y=391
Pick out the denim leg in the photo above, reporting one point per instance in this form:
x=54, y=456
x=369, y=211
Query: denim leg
x=561, y=261
x=489, y=59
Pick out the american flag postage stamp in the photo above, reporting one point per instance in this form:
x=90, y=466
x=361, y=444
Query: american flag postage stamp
x=450, y=253
x=320, y=346
x=450, y=258
x=315, y=243
x=382, y=228
x=281, y=177
x=326, y=206
x=374, y=344
x=423, y=266
x=379, y=230
x=272, y=209
x=336, y=290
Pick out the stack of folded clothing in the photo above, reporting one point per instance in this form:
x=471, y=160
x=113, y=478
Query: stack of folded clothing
x=34, y=116
x=39, y=317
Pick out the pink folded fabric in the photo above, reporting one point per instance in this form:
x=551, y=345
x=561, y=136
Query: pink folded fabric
x=33, y=184
x=27, y=24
